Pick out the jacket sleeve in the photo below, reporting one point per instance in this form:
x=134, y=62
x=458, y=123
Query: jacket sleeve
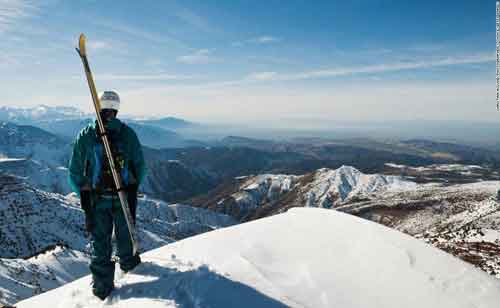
x=77, y=165
x=137, y=157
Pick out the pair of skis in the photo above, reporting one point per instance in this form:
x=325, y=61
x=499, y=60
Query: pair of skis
x=82, y=52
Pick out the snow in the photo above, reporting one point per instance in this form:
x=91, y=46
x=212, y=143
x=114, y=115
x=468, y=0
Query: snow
x=262, y=187
x=11, y=159
x=348, y=182
x=21, y=278
x=303, y=258
x=465, y=169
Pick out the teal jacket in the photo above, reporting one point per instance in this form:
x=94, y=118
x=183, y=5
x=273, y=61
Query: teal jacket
x=88, y=152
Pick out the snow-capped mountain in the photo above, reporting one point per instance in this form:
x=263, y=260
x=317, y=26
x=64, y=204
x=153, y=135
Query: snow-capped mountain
x=30, y=115
x=32, y=220
x=287, y=261
x=261, y=195
x=332, y=187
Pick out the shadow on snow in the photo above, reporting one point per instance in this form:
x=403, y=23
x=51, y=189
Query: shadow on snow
x=192, y=288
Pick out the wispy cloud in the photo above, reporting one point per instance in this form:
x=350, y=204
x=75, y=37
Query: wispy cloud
x=428, y=47
x=136, y=32
x=98, y=45
x=144, y=77
x=263, y=39
x=192, y=19
x=201, y=56
x=377, y=68
x=263, y=76
x=11, y=11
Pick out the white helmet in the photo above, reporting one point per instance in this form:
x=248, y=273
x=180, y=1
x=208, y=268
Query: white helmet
x=109, y=100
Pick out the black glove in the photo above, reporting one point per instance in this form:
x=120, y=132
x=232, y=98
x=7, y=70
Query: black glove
x=86, y=204
x=89, y=222
x=132, y=199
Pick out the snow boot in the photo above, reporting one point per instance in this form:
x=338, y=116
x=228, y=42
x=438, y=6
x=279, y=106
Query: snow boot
x=102, y=293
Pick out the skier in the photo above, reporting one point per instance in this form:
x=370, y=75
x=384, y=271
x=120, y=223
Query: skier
x=91, y=178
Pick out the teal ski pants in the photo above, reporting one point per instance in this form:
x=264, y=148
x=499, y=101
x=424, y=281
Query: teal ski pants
x=106, y=213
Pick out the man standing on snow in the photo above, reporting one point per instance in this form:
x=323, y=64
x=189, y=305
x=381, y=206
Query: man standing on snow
x=91, y=177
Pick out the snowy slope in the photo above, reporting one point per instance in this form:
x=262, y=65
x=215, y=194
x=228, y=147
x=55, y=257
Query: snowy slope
x=38, y=156
x=261, y=188
x=20, y=278
x=23, y=141
x=462, y=219
x=32, y=220
x=40, y=175
x=303, y=258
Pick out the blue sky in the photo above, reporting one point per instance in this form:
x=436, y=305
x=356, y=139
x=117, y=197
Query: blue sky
x=250, y=61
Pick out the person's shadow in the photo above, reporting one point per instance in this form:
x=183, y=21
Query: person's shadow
x=198, y=287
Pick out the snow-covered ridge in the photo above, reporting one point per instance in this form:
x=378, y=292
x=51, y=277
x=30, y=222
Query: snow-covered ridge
x=360, y=264
x=327, y=188
x=334, y=186
x=440, y=167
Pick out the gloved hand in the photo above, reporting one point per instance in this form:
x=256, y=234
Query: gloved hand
x=86, y=204
x=89, y=222
x=132, y=199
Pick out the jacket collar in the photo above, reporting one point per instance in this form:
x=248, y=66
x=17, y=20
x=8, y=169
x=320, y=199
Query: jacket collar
x=113, y=127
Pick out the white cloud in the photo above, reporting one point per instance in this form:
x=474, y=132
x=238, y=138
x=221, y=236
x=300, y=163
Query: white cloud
x=201, y=56
x=11, y=11
x=266, y=39
x=263, y=76
x=376, y=68
x=145, y=35
x=98, y=45
x=144, y=77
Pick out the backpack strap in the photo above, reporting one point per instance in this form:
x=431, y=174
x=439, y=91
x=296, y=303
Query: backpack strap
x=131, y=165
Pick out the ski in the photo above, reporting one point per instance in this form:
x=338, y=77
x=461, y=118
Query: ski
x=102, y=132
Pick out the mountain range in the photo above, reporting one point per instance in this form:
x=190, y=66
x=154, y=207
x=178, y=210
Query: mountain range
x=439, y=193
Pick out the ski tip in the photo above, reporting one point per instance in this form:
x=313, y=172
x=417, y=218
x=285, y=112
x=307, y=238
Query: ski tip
x=81, y=45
